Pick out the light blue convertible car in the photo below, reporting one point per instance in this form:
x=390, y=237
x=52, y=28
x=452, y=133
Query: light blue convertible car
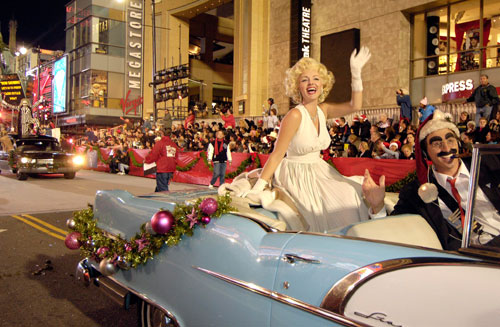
x=247, y=269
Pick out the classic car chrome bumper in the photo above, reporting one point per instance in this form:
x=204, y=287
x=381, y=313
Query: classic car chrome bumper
x=45, y=170
x=121, y=294
x=87, y=274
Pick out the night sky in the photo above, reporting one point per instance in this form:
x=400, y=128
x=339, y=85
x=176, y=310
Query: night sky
x=38, y=22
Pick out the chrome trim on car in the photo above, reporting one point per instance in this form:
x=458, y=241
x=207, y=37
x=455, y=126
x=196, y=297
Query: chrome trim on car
x=263, y=225
x=291, y=258
x=337, y=297
x=282, y=298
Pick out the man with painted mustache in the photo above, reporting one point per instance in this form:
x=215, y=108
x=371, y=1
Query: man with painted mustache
x=439, y=194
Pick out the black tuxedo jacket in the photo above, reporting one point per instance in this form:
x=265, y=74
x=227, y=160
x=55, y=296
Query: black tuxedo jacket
x=450, y=237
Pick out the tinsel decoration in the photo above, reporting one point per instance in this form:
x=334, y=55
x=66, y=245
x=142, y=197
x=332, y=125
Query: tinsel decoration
x=398, y=186
x=144, y=245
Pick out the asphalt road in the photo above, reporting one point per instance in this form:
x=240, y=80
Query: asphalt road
x=37, y=282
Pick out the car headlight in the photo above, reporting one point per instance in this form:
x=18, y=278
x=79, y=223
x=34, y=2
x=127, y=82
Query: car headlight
x=25, y=160
x=78, y=160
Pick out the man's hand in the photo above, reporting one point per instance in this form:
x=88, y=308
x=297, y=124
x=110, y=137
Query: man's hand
x=373, y=193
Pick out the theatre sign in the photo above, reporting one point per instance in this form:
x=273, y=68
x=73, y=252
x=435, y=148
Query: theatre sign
x=300, y=34
x=132, y=103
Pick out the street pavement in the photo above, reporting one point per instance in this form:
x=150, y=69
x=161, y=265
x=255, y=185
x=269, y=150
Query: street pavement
x=37, y=282
x=52, y=193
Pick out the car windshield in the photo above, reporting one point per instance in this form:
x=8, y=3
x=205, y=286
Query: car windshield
x=482, y=221
x=38, y=145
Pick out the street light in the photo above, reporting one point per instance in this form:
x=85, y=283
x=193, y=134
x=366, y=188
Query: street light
x=23, y=50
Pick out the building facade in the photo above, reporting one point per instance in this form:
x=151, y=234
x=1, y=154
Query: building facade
x=238, y=51
x=104, y=44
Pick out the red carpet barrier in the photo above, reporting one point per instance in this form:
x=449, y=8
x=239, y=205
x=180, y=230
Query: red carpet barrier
x=200, y=174
x=394, y=170
x=139, y=155
x=101, y=166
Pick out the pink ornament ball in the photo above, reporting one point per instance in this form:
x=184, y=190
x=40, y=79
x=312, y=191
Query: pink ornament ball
x=128, y=247
x=205, y=220
x=162, y=221
x=101, y=252
x=72, y=241
x=208, y=206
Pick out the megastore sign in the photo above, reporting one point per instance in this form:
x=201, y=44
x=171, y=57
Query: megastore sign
x=134, y=59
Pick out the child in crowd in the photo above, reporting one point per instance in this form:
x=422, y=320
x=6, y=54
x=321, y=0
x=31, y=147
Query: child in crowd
x=482, y=130
x=407, y=152
x=462, y=122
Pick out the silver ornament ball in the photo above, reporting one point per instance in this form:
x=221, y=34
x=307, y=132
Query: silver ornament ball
x=70, y=223
x=149, y=228
x=107, y=268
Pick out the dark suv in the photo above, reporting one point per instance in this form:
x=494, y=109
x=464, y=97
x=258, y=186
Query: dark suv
x=39, y=155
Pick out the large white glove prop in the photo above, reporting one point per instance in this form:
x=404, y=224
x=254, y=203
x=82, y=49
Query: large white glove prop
x=256, y=191
x=358, y=60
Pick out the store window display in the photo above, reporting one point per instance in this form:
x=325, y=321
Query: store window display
x=457, y=37
x=99, y=89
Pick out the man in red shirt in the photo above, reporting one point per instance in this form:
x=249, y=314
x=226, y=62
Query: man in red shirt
x=165, y=153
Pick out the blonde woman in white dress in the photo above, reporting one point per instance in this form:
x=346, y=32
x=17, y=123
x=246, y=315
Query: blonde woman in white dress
x=325, y=198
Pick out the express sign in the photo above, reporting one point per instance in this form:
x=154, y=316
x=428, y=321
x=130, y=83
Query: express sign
x=457, y=90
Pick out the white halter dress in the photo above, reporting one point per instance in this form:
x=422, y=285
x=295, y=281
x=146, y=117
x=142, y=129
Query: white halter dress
x=325, y=198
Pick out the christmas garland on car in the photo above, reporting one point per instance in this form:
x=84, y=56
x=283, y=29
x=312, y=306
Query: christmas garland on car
x=165, y=229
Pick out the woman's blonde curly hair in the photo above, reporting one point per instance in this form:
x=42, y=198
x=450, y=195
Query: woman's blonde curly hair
x=293, y=73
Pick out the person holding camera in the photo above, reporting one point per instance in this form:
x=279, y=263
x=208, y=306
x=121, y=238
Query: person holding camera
x=228, y=118
x=404, y=102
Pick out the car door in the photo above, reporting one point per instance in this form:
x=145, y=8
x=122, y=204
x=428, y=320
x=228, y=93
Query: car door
x=311, y=264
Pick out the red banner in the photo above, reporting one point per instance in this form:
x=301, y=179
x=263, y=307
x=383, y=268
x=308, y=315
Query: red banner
x=394, y=170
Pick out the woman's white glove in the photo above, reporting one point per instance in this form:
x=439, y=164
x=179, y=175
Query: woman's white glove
x=358, y=60
x=254, y=193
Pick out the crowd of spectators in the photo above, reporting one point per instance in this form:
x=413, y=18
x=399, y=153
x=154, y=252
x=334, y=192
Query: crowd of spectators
x=383, y=139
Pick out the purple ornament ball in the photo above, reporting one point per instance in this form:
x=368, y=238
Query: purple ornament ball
x=208, y=206
x=72, y=241
x=162, y=221
x=205, y=220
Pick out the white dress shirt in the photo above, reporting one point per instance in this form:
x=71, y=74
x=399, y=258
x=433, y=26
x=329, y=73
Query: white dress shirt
x=484, y=212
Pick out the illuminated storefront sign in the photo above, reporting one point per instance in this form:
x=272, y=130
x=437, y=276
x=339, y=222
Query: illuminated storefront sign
x=134, y=61
x=457, y=90
x=59, y=85
x=11, y=89
x=45, y=86
x=129, y=105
